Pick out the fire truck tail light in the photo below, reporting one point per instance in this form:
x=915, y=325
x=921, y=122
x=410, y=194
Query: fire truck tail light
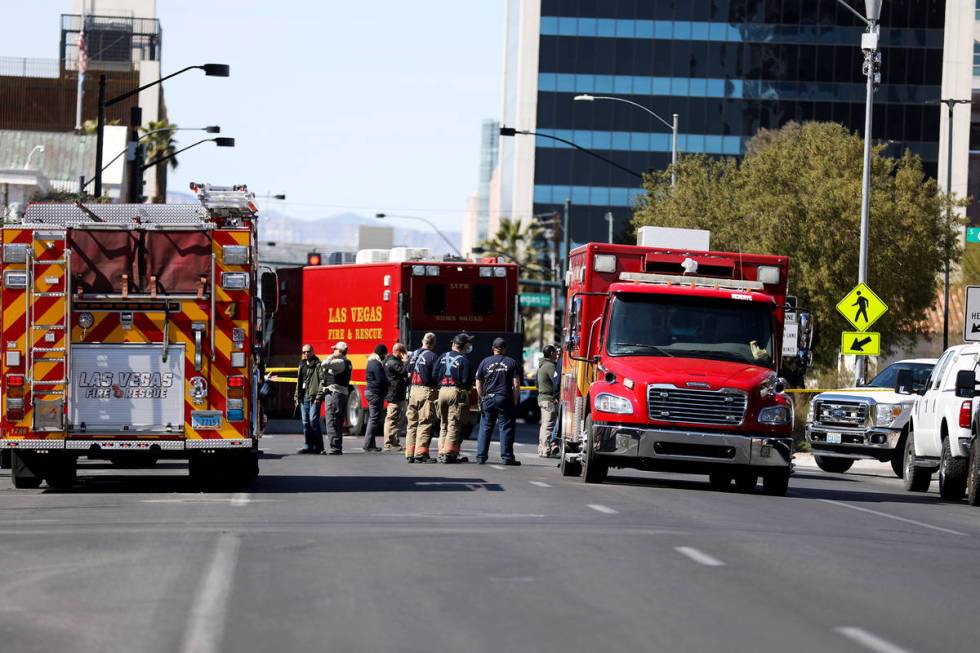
x=236, y=404
x=500, y=272
x=236, y=381
x=966, y=412
x=234, y=255
x=768, y=274
x=432, y=270
x=14, y=279
x=238, y=359
x=605, y=263
x=486, y=272
x=15, y=381
x=234, y=280
x=15, y=253
x=418, y=270
x=15, y=408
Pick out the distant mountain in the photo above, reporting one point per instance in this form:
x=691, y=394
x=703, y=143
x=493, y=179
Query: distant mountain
x=337, y=232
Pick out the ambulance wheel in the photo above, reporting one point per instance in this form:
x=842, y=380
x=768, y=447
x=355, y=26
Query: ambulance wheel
x=355, y=413
x=25, y=471
x=568, y=468
x=61, y=471
x=594, y=469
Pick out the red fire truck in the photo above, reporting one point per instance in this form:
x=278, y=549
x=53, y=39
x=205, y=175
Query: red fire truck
x=671, y=363
x=130, y=333
x=369, y=303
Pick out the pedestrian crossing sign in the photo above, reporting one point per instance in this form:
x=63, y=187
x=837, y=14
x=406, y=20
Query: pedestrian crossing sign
x=862, y=307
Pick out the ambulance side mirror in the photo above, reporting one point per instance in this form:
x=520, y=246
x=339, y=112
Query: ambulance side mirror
x=269, y=291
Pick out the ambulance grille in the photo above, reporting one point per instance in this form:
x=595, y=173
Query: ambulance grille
x=717, y=407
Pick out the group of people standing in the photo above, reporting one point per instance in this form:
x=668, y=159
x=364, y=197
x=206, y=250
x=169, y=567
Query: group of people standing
x=421, y=390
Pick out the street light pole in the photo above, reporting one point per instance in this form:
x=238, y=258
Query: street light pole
x=510, y=131
x=210, y=70
x=672, y=126
x=428, y=222
x=220, y=142
x=950, y=103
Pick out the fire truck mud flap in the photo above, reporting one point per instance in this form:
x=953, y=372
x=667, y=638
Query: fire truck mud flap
x=695, y=450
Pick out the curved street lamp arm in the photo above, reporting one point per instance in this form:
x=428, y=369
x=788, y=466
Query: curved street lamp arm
x=128, y=94
x=161, y=159
x=582, y=149
x=433, y=226
x=635, y=104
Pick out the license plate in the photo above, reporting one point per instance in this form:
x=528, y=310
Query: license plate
x=205, y=420
x=833, y=438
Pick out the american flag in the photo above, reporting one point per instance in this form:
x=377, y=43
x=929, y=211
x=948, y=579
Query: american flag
x=82, y=52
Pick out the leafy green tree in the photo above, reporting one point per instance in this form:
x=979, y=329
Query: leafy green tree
x=797, y=192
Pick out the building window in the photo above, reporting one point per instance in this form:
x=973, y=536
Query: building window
x=976, y=58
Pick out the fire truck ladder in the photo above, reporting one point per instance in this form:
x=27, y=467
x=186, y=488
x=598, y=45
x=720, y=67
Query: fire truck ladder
x=49, y=396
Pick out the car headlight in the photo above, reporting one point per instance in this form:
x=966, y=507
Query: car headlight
x=775, y=415
x=608, y=403
x=886, y=414
x=810, y=410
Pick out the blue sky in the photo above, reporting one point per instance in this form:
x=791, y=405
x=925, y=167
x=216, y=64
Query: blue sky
x=374, y=106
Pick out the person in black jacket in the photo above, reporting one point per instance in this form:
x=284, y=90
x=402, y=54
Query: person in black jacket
x=336, y=371
x=422, y=402
x=375, y=390
x=397, y=396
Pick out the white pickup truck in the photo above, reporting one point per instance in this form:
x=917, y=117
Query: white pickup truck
x=940, y=434
x=864, y=422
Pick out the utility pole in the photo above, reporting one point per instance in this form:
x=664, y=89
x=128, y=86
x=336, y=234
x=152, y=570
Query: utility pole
x=99, y=136
x=609, y=219
x=950, y=103
x=135, y=174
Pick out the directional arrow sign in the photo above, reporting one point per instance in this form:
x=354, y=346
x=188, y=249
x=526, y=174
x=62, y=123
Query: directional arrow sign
x=860, y=343
x=971, y=315
x=862, y=307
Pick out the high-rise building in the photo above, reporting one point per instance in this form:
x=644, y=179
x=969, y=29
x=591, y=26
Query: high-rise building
x=728, y=68
x=476, y=223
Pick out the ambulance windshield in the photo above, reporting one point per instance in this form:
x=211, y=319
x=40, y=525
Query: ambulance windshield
x=691, y=327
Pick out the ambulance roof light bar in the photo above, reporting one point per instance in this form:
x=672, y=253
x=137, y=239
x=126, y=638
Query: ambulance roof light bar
x=681, y=280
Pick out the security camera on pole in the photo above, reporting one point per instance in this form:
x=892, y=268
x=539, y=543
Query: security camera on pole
x=872, y=70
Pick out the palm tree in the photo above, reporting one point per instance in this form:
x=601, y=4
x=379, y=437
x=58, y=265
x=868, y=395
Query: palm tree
x=160, y=142
x=518, y=242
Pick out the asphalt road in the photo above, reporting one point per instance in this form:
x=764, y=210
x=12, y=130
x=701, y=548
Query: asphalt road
x=366, y=553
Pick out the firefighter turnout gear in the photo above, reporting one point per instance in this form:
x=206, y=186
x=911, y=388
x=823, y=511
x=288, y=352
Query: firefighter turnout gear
x=453, y=372
x=422, y=398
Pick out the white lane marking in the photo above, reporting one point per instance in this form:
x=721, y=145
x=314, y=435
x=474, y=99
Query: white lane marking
x=539, y=483
x=699, y=557
x=206, y=625
x=241, y=499
x=500, y=467
x=869, y=640
x=457, y=515
x=895, y=517
x=598, y=507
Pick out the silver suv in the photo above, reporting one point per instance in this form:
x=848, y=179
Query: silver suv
x=865, y=422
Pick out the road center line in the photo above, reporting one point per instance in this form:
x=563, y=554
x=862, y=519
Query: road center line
x=598, y=507
x=206, y=624
x=539, y=483
x=699, y=557
x=869, y=640
x=895, y=517
x=241, y=499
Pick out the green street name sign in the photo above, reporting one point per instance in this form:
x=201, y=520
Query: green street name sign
x=536, y=299
x=973, y=234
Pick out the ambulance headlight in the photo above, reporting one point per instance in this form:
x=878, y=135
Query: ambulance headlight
x=610, y=403
x=234, y=280
x=85, y=320
x=234, y=255
x=500, y=272
x=768, y=274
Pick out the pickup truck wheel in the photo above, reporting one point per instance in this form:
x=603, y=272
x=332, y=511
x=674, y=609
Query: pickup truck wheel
x=746, y=481
x=775, y=484
x=568, y=468
x=833, y=465
x=952, y=474
x=719, y=481
x=594, y=469
x=898, y=456
x=917, y=479
x=25, y=471
x=973, y=476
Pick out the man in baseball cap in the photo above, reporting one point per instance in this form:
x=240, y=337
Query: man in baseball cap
x=337, y=373
x=498, y=382
x=455, y=381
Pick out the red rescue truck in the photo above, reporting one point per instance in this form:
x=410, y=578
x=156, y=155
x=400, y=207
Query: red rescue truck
x=671, y=363
x=131, y=332
x=364, y=304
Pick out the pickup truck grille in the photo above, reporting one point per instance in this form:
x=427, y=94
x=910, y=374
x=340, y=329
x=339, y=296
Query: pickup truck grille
x=721, y=407
x=840, y=413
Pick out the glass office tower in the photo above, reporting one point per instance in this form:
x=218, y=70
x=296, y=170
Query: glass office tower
x=727, y=67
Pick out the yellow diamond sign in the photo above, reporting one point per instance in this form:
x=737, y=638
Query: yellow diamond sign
x=862, y=307
x=860, y=343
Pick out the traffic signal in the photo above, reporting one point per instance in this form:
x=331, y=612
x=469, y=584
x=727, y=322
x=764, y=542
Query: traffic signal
x=313, y=258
